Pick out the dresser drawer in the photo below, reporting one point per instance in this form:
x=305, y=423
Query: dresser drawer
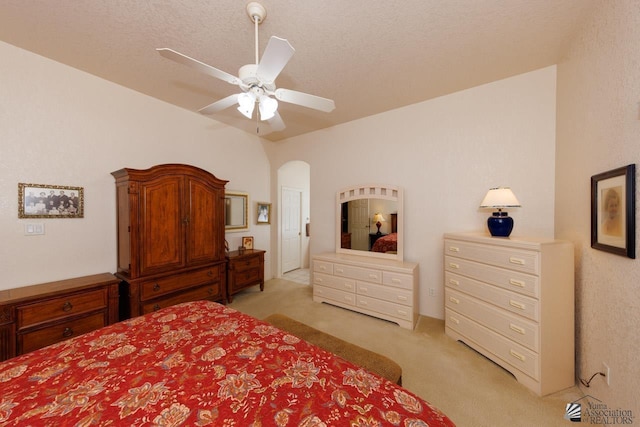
x=347, y=285
x=386, y=293
x=358, y=273
x=245, y=277
x=164, y=285
x=246, y=264
x=514, y=259
x=526, y=284
x=396, y=310
x=58, y=308
x=43, y=337
x=209, y=292
x=510, y=352
x=514, y=327
x=334, y=295
x=323, y=266
x=398, y=280
x=510, y=301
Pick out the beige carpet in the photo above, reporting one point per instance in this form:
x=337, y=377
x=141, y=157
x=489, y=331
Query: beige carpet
x=469, y=388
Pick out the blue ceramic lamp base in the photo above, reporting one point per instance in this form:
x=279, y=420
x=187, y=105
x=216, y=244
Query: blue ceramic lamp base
x=500, y=224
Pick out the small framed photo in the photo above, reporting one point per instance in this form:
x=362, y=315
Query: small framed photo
x=247, y=242
x=50, y=201
x=613, y=207
x=264, y=213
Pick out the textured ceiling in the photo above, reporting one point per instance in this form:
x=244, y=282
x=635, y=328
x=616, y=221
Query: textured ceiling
x=370, y=56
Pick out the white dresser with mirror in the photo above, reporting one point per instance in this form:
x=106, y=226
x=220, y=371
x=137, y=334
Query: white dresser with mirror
x=367, y=273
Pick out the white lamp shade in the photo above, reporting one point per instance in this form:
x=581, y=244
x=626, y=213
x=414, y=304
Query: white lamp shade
x=501, y=197
x=247, y=103
x=268, y=107
x=378, y=218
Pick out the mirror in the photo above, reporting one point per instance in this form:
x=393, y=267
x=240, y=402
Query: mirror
x=236, y=211
x=360, y=210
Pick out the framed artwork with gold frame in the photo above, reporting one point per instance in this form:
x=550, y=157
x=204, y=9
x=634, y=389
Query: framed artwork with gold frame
x=50, y=201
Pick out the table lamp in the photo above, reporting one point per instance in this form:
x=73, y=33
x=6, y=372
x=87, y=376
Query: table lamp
x=500, y=223
x=378, y=219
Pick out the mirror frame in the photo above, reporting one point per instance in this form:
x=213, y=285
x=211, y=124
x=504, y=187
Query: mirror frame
x=245, y=226
x=386, y=192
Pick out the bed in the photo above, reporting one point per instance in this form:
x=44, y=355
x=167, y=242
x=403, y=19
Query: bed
x=386, y=244
x=197, y=364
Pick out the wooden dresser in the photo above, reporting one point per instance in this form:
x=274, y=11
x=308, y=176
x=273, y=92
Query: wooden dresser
x=512, y=300
x=170, y=236
x=244, y=270
x=36, y=316
x=382, y=288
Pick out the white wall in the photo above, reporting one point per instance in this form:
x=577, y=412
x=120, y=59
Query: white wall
x=446, y=153
x=62, y=126
x=598, y=128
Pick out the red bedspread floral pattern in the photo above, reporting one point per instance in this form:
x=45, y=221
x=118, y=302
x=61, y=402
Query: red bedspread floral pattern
x=199, y=364
x=388, y=243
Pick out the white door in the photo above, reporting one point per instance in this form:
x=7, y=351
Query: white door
x=291, y=226
x=359, y=224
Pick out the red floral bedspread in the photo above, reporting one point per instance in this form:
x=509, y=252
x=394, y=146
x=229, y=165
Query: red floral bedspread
x=199, y=364
x=388, y=243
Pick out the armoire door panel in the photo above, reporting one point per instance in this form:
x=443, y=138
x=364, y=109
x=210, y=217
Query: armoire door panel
x=162, y=239
x=203, y=230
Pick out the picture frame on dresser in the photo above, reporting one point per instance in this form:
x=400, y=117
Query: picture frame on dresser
x=247, y=242
x=613, y=227
x=50, y=201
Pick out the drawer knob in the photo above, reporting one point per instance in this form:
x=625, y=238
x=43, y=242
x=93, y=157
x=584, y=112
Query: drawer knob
x=517, y=304
x=454, y=249
x=402, y=298
x=454, y=282
x=454, y=320
x=210, y=291
x=518, y=283
x=67, y=332
x=454, y=300
x=339, y=270
x=210, y=273
x=514, y=260
x=156, y=307
x=394, y=280
x=67, y=306
x=373, y=276
x=156, y=287
x=363, y=289
x=454, y=265
x=517, y=355
x=402, y=312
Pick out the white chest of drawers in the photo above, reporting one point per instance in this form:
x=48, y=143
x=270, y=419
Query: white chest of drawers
x=381, y=288
x=512, y=300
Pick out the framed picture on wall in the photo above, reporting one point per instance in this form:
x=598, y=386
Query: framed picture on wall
x=264, y=213
x=613, y=225
x=50, y=201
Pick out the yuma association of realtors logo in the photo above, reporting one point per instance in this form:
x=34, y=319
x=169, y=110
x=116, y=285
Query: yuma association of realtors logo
x=597, y=413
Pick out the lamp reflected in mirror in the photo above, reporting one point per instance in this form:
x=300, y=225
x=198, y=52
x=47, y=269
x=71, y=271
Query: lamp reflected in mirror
x=378, y=219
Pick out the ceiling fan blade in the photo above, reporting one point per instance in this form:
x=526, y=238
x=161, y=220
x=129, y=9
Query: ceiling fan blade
x=305, y=100
x=276, y=122
x=220, y=104
x=274, y=58
x=200, y=66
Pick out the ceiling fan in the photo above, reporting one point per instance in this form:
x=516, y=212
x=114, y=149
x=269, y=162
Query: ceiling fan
x=257, y=81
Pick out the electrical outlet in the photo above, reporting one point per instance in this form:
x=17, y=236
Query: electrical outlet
x=432, y=292
x=607, y=372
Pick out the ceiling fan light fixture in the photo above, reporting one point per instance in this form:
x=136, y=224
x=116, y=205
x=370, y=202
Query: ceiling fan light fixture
x=247, y=103
x=268, y=107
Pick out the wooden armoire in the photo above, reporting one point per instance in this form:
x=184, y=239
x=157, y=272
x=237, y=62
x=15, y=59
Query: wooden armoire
x=170, y=237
